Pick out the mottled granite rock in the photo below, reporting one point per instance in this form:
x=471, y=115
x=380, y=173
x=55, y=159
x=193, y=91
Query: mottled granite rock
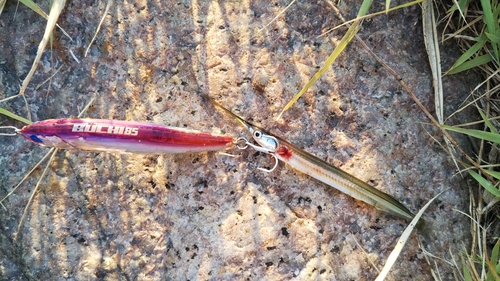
x=208, y=216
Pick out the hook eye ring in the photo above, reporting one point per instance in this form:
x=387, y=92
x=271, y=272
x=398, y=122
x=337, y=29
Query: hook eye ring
x=241, y=143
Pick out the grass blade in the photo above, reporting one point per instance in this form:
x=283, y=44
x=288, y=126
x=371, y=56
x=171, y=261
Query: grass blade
x=402, y=241
x=494, y=263
x=365, y=6
x=14, y=116
x=349, y=35
x=478, y=61
x=34, y=7
x=494, y=38
x=432, y=46
x=487, y=121
x=494, y=252
x=404, y=5
x=351, y=32
x=485, y=183
x=55, y=11
x=491, y=23
x=492, y=173
x=465, y=270
x=467, y=55
x=493, y=274
x=487, y=136
x=2, y=5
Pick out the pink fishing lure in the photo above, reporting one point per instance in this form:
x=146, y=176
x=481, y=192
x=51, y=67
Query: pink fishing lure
x=121, y=136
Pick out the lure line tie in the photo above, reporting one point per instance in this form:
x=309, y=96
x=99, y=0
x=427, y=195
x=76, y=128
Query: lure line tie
x=7, y=133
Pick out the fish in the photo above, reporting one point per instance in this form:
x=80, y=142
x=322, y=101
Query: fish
x=317, y=168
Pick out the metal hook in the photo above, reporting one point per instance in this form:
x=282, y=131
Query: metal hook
x=274, y=167
x=16, y=131
x=246, y=144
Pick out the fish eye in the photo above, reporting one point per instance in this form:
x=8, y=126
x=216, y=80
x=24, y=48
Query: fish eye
x=257, y=134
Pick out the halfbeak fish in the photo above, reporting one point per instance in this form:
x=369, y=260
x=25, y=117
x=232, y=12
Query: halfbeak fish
x=319, y=169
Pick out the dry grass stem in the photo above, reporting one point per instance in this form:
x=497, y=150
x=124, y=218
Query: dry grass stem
x=98, y=26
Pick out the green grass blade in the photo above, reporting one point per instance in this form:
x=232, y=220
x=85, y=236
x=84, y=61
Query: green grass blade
x=494, y=174
x=471, y=51
x=461, y=6
x=336, y=52
x=485, y=183
x=14, y=116
x=491, y=23
x=494, y=264
x=33, y=6
x=478, y=61
x=468, y=54
x=487, y=136
x=466, y=271
x=494, y=38
x=494, y=253
x=365, y=6
x=351, y=32
x=487, y=121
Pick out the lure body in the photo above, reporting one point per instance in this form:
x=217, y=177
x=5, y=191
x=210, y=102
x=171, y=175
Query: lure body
x=321, y=170
x=121, y=136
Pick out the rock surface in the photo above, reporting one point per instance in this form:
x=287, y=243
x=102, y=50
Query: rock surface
x=209, y=216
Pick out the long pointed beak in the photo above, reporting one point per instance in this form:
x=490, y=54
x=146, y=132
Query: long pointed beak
x=249, y=126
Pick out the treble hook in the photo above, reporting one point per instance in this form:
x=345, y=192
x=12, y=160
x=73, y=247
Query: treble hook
x=274, y=167
x=246, y=144
x=16, y=131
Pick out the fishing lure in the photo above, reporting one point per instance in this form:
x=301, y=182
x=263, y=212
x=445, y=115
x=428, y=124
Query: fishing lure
x=311, y=165
x=119, y=136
